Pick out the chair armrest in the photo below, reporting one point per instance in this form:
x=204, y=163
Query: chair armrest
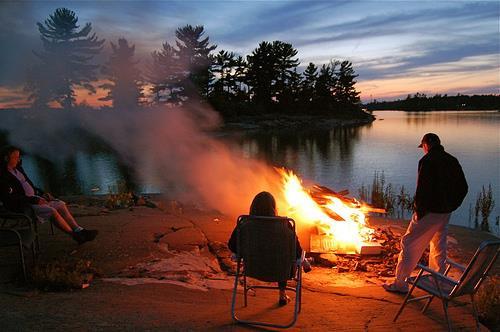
x=437, y=274
x=455, y=265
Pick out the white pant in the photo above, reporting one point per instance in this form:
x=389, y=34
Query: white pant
x=433, y=228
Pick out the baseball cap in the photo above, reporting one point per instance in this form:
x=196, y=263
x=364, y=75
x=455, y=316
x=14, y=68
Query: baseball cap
x=430, y=139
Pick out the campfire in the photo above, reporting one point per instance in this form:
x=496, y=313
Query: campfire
x=335, y=222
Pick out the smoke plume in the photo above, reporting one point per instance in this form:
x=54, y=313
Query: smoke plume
x=173, y=148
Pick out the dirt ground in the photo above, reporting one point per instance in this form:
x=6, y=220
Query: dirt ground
x=157, y=273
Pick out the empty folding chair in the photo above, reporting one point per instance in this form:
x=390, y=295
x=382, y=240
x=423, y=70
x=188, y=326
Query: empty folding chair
x=445, y=288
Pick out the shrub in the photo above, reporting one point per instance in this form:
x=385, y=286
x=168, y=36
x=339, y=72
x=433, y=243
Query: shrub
x=63, y=275
x=484, y=205
x=119, y=197
x=488, y=302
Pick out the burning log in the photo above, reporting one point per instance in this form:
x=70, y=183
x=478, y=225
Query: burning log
x=320, y=195
x=339, y=220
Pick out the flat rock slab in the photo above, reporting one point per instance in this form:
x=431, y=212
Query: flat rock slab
x=185, y=239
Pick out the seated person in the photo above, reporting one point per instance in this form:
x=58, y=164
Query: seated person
x=264, y=205
x=18, y=194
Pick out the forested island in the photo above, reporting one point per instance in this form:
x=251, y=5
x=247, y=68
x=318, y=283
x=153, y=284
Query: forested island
x=421, y=102
x=267, y=83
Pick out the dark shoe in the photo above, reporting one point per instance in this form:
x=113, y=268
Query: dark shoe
x=84, y=235
x=90, y=234
x=284, y=300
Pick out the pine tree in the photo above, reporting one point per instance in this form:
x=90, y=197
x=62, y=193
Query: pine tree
x=65, y=61
x=324, y=87
x=240, y=77
x=291, y=95
x=222, y=66
x=270, y=67
x=345, y=92
x=124, y=89
x=261, y=73
x=165, y=74
x=309, y=83
x=194, y=57
x=286, y=66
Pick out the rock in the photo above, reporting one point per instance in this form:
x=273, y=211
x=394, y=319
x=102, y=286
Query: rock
x=223, y=254
x=185, y=239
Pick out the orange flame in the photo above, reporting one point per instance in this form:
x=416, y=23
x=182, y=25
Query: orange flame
x=348, y=234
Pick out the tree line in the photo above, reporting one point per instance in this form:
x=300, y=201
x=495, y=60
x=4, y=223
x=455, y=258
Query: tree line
x=266, y=81
x=421, y=102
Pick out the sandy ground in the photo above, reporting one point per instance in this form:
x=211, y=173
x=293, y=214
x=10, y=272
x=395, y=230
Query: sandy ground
x=156, y=273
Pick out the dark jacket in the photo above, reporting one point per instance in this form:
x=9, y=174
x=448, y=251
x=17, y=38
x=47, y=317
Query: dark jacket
x=12, y=193
x=441, y=184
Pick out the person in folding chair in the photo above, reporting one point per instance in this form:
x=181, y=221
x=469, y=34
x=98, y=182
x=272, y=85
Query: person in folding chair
x=18, y=193
x=441, y=188
x=264, y=205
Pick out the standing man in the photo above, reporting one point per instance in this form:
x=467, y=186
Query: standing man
x=441, y=188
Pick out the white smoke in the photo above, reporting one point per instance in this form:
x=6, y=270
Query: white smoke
x=174, y=148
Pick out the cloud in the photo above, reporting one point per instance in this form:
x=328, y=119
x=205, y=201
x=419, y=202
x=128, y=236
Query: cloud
x=282, y=20
x=383, y=39
x=434, y=53
x=402, y=22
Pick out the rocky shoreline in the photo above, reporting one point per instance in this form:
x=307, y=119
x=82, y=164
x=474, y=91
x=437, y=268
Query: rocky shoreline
x=287, y=122
x=167, y=268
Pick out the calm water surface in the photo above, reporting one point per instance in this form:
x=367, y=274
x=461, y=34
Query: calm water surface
x=345, y=158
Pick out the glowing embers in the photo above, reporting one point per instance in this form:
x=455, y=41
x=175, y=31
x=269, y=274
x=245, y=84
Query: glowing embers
x=340, y=221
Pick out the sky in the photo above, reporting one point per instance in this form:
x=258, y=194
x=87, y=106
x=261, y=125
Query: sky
x=396, y=47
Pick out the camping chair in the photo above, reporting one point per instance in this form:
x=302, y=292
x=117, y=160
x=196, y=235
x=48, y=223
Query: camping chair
x=266, y=249
x=441, y=286
x=17, y=229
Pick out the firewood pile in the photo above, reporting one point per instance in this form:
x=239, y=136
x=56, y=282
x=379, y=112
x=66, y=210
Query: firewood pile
x=382, y=265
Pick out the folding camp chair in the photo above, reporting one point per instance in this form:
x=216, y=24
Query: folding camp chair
x=442, y=286
x=266, y=251
x=17, y=229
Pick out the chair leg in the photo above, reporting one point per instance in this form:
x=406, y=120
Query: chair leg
x=405, y=300
x=33, y=252
x=37, y=242
x=424, y=309
x=445, y=308
x=299, y=295
x=21, y=253
x=235, y=290
x=245, y=289
x=474, y=312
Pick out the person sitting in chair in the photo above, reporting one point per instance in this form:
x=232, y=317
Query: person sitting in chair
x=264, y=205
x=18, y=194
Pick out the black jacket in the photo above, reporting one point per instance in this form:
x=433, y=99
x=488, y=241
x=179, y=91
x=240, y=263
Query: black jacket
x=12, y=193
x=441, y=184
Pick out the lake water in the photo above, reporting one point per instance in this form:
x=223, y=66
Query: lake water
x=344, y=158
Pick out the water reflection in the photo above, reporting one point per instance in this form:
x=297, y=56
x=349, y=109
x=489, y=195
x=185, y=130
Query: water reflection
x=305, y=147
x=341, y=158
